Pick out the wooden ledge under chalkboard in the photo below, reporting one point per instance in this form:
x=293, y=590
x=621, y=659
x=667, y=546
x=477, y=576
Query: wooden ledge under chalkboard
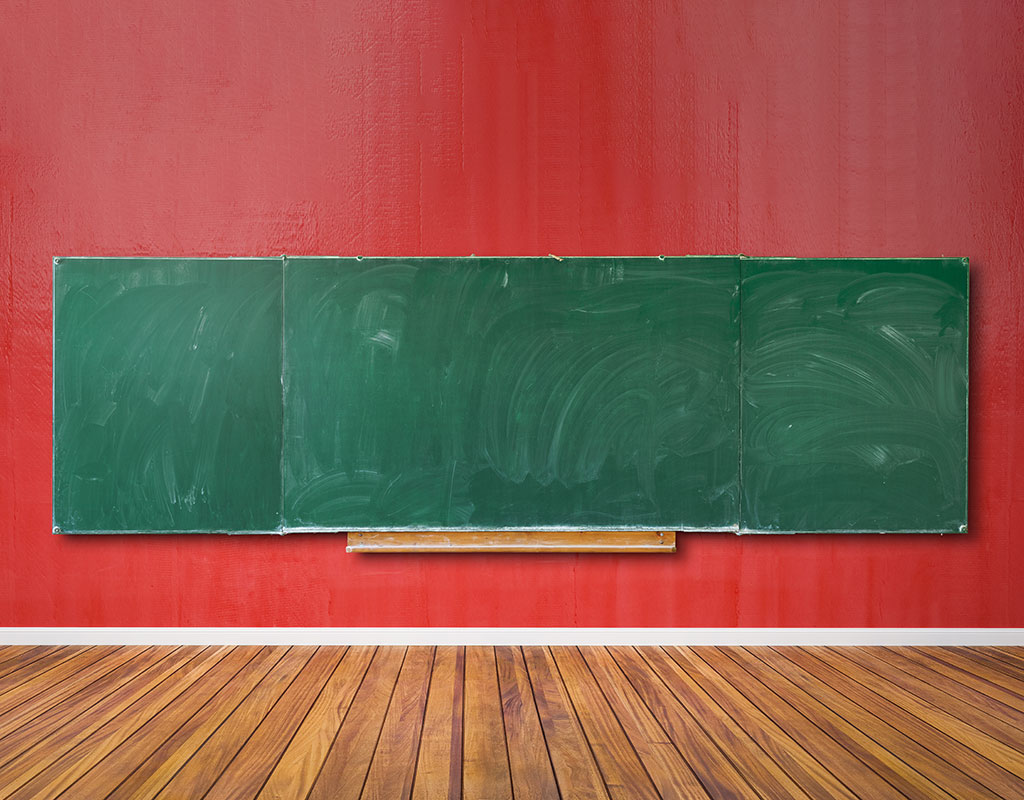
x=511, y=542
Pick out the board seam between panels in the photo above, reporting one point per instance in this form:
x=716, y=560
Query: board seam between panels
x=739, y=393
x=281, y=379
x=53, y=391
x=967, y=399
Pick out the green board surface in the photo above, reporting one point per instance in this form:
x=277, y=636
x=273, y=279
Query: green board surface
x=511, y=393
x=167, y=395
x=854, y=386
x=691, y=393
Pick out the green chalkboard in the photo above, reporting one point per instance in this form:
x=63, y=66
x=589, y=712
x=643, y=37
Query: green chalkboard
x=854, y=386
x=691, y=393
x=167, y=395
x=511, y=393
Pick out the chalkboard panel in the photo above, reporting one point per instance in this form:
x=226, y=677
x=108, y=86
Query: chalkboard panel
x=854, y=385
x=524, y=394
x=511, y=393
x=167, y=395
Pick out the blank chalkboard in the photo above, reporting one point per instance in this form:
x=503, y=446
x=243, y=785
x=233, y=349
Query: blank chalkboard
x=511, y=393
x=167, y=395
x=854, y=385
x=688, y=393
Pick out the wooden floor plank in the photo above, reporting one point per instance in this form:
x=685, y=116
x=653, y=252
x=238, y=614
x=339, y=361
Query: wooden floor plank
x=394, y=759
x=998, y=752
x=930, y=692
x=208, y=762
x=154, y=770
x=52, y=779
x=965, y=686
x=1010, y=652
x=439, y=764
x=108, y=771
x=16, y=690
x=348, y=761
x=265, y=723
x=1012, y=658
x=719, y=776
x=297, y=770
x=799, y=764
x=846, y=767
x=26, y=725
x=12, y=651
x=625, y=775
x=980, y=666
x=896, y=772
x=908, y=750
x=958, y=755
x=45, y=738
x=218, y=689
x=764, y=774
x=533, y=776
x=25, y=658
x=485, y=766
x=39, y=668
x=575, y=769
x=80, y=674
x=249, y=769
x=669, y=771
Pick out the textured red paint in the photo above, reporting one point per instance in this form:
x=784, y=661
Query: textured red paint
x=260, y=128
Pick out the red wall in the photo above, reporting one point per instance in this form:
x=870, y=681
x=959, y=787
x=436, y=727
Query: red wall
x=371, y=127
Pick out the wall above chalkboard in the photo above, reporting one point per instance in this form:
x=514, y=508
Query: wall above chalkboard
x=487, y=394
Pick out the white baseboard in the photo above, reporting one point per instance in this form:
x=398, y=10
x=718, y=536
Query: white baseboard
x=750, y=637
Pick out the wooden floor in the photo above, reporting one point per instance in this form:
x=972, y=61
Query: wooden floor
x=278, y=722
